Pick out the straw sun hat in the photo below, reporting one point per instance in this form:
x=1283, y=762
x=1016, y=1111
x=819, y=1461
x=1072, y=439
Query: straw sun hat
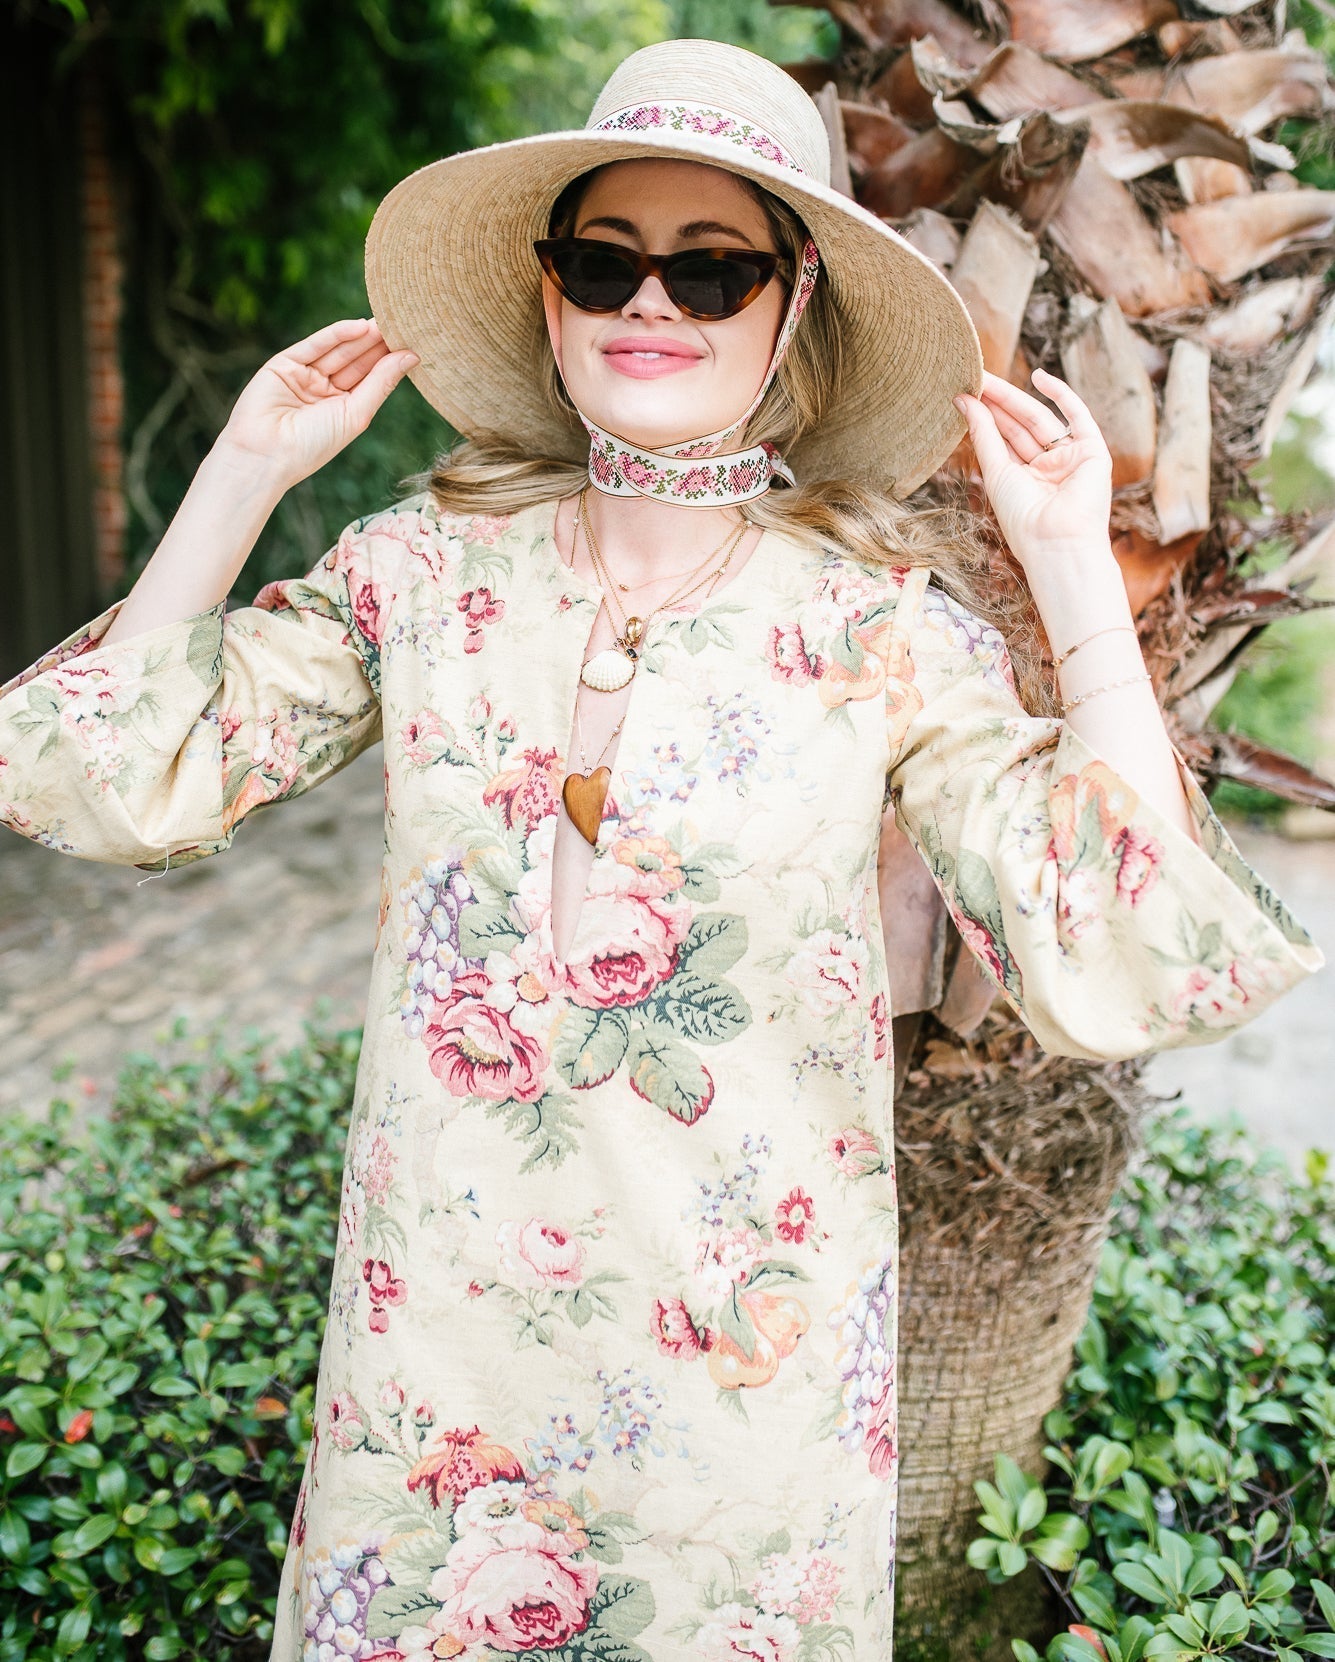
x=451, y=273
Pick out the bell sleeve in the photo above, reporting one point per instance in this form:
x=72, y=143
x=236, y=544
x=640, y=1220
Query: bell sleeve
x=150, y=751
x=1104, y=926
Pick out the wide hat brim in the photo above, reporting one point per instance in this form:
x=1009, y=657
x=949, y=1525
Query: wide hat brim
x=452, y=276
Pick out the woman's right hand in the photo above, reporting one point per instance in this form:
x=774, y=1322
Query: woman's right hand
x=311, y=400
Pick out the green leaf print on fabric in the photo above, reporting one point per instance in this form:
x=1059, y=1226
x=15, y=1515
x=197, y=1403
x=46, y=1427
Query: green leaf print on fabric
x=590, y=1045
x=713, y=944
x=204, y=649
x=484, y=929
x=663, y=1071
x=707, y=1012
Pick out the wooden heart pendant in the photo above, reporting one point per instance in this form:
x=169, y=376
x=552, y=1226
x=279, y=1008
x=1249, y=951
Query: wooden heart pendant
x=584, y=795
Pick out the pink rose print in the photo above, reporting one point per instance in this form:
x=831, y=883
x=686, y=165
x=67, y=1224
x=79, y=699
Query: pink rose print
x=855, y=1152
x=538, y=1254
x=602, y=467
x=479, y=609
x=1138, y=858
x=677, y=1335
x=1213, y=997
x=512, y=1597
x=630, y=947
x=462, y=1460
x=638, y=473
x=386, y=1290
x=655, y=862
x=828, y=971
x=529, y=791
x=366, y=601
x=739, y=1631
x=346, y=1427
x=803, y=1586
x=980, y=942
x=789, y=659
x=793, y=1216
x=488, y=529
x=421, y=736
x=476, y=1050
x=744, y=476
x=879, y=1015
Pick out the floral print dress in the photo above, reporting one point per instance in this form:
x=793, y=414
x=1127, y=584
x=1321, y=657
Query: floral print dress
x=610, y=1363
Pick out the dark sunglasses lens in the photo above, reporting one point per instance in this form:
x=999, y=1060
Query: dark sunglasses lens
x=596, y=278
x=713, y=287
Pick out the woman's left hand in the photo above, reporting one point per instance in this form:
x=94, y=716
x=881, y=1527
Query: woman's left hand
x=1048, y=502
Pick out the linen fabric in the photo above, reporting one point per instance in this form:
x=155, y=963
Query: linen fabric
x=610, y=1363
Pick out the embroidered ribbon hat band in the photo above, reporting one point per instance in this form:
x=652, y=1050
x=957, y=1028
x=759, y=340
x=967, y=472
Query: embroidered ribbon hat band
x=451, y=274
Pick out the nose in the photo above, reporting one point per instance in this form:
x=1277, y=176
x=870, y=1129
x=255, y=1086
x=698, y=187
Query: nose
x=651, y=300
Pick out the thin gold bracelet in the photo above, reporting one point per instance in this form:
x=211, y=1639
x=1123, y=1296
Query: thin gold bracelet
x=1108, y=686
x=1112, y=629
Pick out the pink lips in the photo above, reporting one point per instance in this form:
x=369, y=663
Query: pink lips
x=646, y=357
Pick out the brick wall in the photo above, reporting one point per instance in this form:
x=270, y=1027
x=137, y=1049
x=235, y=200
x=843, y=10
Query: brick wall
x=103, y=279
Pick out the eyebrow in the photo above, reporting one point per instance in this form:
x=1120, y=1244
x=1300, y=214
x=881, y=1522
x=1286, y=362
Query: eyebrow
x=696, y=228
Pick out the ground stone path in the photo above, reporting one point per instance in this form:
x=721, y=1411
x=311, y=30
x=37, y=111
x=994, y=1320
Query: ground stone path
x=95, y=962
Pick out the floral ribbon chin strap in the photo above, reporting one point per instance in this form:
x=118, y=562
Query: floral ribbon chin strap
x=699, y=473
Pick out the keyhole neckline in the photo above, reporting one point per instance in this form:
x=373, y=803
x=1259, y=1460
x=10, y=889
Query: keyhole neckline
x=578, y=586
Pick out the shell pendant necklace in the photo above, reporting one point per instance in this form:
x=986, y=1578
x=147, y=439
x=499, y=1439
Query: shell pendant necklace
x=611, y=669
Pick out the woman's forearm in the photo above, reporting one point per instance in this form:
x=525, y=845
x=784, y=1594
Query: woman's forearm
x=1077, y=595
x=204, y=548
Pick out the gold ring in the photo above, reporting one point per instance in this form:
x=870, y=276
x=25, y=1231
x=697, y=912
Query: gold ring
x=1060, y=439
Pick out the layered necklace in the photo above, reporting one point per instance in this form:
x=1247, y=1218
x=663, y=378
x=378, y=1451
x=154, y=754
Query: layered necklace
x=584, y=792
x=610, y=669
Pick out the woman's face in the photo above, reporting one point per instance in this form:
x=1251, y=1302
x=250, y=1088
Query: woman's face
x=649, y=373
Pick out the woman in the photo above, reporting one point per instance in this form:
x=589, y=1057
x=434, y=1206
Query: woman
x=610, y=1366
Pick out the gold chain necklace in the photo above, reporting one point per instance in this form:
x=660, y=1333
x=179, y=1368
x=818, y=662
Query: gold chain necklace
x=610, y=669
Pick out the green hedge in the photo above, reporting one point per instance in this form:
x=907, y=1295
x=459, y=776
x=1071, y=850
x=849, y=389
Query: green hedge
x=163, y=1297
x=163, y=1278
x=1191, y=1511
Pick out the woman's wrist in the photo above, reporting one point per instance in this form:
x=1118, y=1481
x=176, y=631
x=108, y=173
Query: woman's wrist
x=1076, y=591
x=242, y=474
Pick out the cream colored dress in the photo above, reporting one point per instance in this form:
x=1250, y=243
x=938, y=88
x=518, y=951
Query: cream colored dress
x=610, y=1363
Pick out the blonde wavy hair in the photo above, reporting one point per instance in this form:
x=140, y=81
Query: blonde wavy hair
x=492, y=476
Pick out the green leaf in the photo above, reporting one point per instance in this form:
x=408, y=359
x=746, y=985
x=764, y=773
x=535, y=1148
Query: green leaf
x=1011, y=1481
x=484, y=929
x=91, y=1534
x=1316, y=1644
x=590, y=1045
x=1137, y=1579
x=1325, y=1598
x=24, y=1458
x=703, y=1011
x=1032, y=1510
x=163, y=1649
x=74, y=1628
x=172, y=1385
x=714, y=943
x=1010, y=1558
x=664, y=1072
x=1022, y=1651
x=735, y=1320
x=981, y=1553
x=176, y=1559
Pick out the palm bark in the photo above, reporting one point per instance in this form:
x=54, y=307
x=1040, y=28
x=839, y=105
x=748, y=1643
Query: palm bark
x=1102, y=182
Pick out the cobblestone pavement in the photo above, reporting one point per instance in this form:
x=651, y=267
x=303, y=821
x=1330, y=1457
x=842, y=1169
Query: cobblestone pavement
x=94, y=962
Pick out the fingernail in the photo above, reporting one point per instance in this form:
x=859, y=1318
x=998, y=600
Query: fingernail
x=960, y=405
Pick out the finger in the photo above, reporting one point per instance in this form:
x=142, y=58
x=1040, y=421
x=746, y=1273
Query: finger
x=1020, y=439
x=990, y=448
x=1023, y=407
x=346, y=352
x=1071, y=405
x=350, y=374
x=308, y=350
x=372, y=391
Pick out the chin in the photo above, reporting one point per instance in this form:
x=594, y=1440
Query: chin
x=656, y=423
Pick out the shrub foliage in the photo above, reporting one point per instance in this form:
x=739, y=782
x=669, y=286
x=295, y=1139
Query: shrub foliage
x=162, y=1301
x=1191, y=1509
x=163, y=1281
